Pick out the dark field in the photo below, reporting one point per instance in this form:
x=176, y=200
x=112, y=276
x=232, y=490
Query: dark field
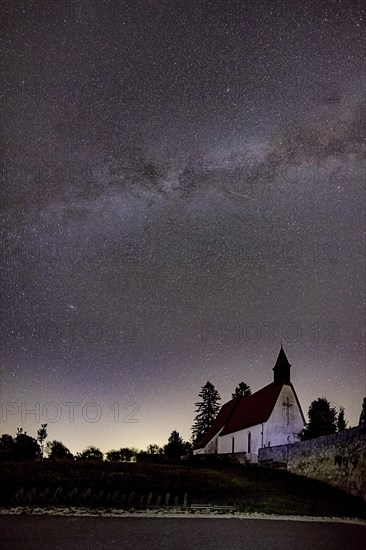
x=134, y=485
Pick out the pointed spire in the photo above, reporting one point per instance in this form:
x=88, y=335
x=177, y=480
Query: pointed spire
x=282, y=358
x=281, y=369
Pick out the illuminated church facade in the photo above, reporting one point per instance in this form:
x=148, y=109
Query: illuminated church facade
x=271, y=416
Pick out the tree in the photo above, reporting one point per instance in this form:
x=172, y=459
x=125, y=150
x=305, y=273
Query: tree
x=188, y=448
x=125, y=454
x=91, y=453
x=57, y=450
x=154, y=449
x=128, y=454
x=41, y=436
x=206, y=410
x=113, y=456
x=341, y=421
x=322, y=420
x=242, y=390
x=25, y=446
x=175, y=446
x=362, y=421
x=6, y=447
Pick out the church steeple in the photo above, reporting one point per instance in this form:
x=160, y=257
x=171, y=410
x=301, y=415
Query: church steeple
x=281, y=370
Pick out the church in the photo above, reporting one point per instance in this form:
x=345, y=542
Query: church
x=271, y=416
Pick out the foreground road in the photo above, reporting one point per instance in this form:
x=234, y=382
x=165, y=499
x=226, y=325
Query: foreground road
x=45, y=532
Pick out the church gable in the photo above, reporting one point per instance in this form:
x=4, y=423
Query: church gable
x=287, y=408
x=286, y=419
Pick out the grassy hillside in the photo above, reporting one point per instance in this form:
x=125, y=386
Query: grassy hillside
x=108, y=484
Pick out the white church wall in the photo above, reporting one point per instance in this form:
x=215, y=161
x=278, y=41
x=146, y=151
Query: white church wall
x=285, y=421
x=211, y=447
x=240, y=441
x=282, y=427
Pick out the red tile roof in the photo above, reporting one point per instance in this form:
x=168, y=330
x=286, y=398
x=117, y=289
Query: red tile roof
x=254, y=409
x=243, y=412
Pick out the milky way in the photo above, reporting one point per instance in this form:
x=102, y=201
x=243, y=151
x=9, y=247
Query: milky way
x=183, y=188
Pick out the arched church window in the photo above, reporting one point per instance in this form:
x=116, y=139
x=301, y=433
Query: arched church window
x=288, y=410
x=249, y=442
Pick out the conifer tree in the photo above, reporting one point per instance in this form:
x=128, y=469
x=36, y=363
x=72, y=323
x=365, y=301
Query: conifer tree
x=341, y=421
x=322, y=420
x=362, y=421
x=242, y=390
x=206, y=410
x=175, y=446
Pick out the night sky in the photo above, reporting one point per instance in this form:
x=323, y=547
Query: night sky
x=183, y=188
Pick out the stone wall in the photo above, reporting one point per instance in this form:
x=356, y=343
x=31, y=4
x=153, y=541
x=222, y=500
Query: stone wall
x=338, y=459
